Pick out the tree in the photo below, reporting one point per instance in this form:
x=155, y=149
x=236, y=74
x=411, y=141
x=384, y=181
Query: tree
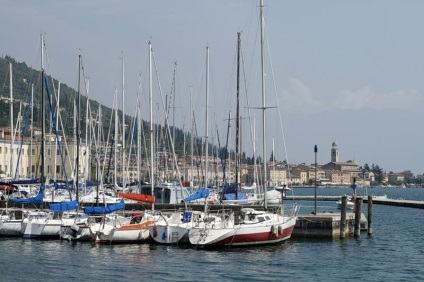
x=259, y=160
x=378, y=173
x=272, y=157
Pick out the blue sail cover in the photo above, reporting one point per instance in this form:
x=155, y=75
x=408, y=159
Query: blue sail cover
x=201, y=193
x=230, y=188
x=64, y=187
x=91, y=183
x=103, y=210
x=34, y=200
x=232, y=196
x=65, y=206
x=28, y=181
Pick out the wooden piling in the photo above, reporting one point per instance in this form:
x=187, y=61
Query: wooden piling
x=343, y=217
x=369, y=215
x=358, y=212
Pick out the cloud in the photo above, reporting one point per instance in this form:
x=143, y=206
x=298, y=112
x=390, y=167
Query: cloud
x=298, y=98
x=365, y=98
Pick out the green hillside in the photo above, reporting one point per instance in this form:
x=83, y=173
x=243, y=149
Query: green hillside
x=24, y=77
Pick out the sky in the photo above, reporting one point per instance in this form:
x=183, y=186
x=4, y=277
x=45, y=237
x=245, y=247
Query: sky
x=345, y=71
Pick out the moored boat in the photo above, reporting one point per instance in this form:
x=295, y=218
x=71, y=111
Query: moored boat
x=247, y=227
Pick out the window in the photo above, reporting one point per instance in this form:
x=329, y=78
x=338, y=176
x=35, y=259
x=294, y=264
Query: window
x=58, y=169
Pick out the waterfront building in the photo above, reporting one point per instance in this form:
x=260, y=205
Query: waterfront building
x=23, y=156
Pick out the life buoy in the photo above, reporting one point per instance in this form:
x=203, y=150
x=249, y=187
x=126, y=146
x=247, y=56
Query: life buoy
x=155, y=231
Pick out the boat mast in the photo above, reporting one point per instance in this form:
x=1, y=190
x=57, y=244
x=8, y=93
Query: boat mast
x=123, y=125
x=206, y=128
x=78, y=129
x=264, y=182
x=237, y=113
x=152, y=175
x=116, y=141
x=139, y=138
x=191, y=136
x=12, y=134
x=43, y=133
x=57, y=122
x=31, y=128
x=173, y=112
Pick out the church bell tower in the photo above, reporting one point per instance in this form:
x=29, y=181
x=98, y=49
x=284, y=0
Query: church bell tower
x=334, y=153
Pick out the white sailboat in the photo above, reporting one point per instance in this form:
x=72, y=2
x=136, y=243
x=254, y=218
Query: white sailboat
x=249, y=226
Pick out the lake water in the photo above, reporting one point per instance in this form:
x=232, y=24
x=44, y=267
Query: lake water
x=394, y=252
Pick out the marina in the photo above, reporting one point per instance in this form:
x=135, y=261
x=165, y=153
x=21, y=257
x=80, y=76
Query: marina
x=324, y=224
x=373, y=256
x=125, y=183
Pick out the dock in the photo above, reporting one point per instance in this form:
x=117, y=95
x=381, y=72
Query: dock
x=320, y=225
x=325, y=225
x=377, y=201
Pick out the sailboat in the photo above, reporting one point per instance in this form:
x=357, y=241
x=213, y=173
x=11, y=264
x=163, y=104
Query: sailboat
x=248, y=226
x=174, y=229
x=135, y=228
x=11, y=218
x=49, y=224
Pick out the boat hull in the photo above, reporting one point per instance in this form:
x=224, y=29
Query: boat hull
x=242, y=234
x=168, y=234
x=11, y=228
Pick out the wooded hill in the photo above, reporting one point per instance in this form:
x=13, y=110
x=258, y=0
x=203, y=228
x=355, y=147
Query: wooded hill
x=23, y=79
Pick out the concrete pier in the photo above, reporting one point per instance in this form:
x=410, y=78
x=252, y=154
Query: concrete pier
x=376, y=201
x=325, y=225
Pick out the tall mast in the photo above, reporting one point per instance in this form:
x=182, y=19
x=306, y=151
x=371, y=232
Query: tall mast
x=12, y=132
x=57, y=120
x=139, y=137
x=263, y=102
x=31, y=128
x=238, y=112
x=87, y=166
x=173, y=113
x=206, y=128
x=123, y=125
x=152, y=175
x=43, y=129
x=78, y=129
x=191, y=136
x=99, y=140
x=116, y=140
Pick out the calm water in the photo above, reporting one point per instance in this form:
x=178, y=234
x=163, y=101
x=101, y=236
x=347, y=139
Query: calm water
x=394, y=252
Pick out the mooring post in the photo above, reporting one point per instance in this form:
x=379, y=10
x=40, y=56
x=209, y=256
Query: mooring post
x=369, y=215
x=343, y=217
x=358, y=212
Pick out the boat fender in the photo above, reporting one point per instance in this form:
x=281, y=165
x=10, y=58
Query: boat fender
x=274, y=230
x=163, y=235
x=280, y=230
x=74, y=227
x=155, y=231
